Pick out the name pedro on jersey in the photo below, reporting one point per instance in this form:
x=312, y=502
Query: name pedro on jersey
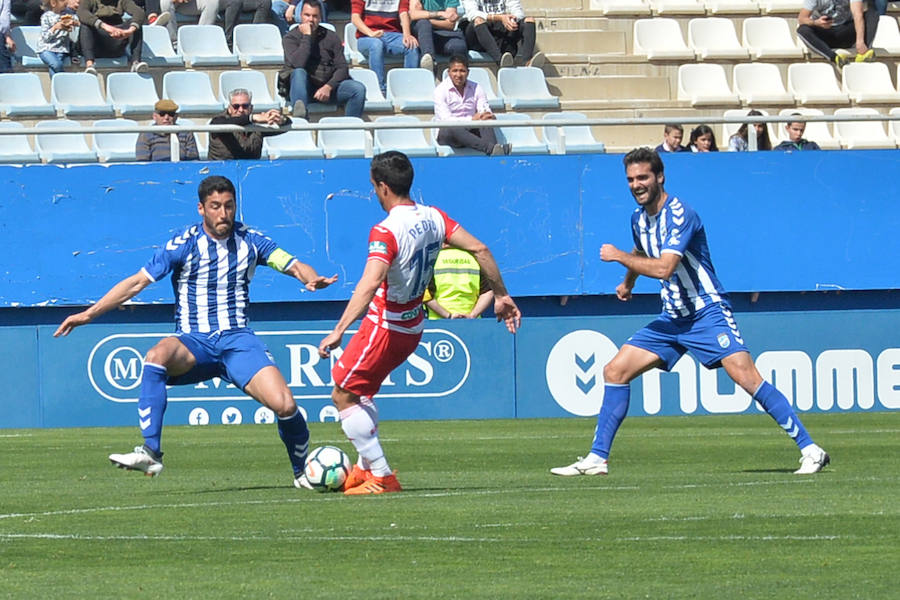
x=421, y=227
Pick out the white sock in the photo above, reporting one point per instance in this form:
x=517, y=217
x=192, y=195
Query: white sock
x=360, y=425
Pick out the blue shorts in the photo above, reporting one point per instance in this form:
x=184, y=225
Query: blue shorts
x=711, y=334
x=235, y=355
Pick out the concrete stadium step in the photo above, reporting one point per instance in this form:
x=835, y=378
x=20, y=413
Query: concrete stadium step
x=617, y=88
x=622, y=138
x=566, y=23
x=580, y=43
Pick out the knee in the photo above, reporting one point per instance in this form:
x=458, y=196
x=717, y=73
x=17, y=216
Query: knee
x=612, y=373
x=457, y=47
x=357, y=89
x=299, y=72
x=157, y=355
x=528, y=19
x=422, y=27
x=286, y=407
x=479, y=21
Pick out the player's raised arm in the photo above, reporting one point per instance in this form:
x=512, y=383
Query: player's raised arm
x=373, y=275
x=120, y=293
x=309, y=277
x=504, y=306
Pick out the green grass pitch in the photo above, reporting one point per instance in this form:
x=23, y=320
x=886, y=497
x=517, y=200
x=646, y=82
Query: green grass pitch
x=694, y=507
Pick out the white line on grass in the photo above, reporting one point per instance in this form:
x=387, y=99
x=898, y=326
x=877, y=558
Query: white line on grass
x=736, y=538
x=245, y=538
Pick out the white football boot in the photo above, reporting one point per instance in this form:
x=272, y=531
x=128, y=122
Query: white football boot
x=812, y=460
x=141, y=459
x=589, y=465
x=302, y=482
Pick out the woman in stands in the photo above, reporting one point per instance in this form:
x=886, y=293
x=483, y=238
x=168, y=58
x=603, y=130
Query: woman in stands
x=739, y=143
x=703, y=139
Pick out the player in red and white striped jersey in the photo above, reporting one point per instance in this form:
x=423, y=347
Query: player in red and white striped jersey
x=402, y=252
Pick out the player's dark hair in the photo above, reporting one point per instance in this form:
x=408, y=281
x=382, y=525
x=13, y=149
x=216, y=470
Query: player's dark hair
x=645, y=155
x=458, y=59
x=670, y=127
x=213, y=184
x=394, y=169
x=314, y=4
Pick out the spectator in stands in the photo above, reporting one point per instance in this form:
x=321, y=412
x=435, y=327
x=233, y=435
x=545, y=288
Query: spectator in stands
x=383, y=27
x=456, y=98
x=500, y=28
x=795, y=141
x=155, y=16
x=739, y=142
x=262, y=9
x=158, y=146
x=436, y=23
x=826, y=25
x=104, y=33
x=458, y=288
x=315, y=64
x=703, y=139
x=243, y=144
x=207, y=10
x=55, y=44
x=672, y=137
x=285, y=13
x=28, y=12
x=7, y=45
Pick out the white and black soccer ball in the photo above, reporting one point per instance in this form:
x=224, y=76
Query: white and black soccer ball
x=327, y=468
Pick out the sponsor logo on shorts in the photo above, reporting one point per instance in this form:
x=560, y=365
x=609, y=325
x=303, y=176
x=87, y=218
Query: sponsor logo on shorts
x=724, y=342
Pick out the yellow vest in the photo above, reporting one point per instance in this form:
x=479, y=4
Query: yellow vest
x=457, y=279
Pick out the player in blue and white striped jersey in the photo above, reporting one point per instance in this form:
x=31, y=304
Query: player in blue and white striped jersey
x=211, y=265
x=670, y=245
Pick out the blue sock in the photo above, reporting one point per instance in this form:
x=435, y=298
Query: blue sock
x=152, y=404
x=780, y=409
x=612, y=413
x=295, y=435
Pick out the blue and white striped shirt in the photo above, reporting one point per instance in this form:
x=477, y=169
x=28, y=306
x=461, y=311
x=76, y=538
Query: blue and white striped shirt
x=677, y=229
x=211, y=277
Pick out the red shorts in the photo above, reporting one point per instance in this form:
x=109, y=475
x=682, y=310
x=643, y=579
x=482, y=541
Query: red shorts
x=371, y=355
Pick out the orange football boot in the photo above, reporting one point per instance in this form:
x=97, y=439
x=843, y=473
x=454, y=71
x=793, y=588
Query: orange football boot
x=357, y=477
x=376, y=485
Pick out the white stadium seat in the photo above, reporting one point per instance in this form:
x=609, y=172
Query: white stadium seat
x=525, y=88
x=704, y=85
x=410, y=141
x=715, y=37
x=861, y=134
x=342, y=143
x=760, y=84
x=16, y=148
x=78, y=94
x=887, y=37
x=22, y=95
x=205, y=46
x=65, y=147
x=815, y=83
x=258, y=44
x=869, y=83
x=192, y=92
x=660, y=38
x=633, y=8
x=291, y=144
x=131, y=93
x=523, y=139
x=576, y=138
x=115, y=147
x=770, y=37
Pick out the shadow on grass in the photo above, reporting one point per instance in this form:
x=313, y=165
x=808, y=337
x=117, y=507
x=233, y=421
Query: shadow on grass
x=767, y=471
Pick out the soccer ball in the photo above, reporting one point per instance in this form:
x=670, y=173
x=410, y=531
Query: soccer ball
x=327, y=468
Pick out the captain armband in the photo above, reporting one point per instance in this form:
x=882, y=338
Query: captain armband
x=280, y=260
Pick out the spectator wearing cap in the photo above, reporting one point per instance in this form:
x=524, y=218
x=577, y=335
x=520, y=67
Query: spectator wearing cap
x=158, y=146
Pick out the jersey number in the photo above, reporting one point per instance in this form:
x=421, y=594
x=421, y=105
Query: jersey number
x=422, y=265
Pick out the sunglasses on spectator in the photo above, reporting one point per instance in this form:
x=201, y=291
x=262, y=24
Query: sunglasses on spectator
x=245, y=106
x=166, y=113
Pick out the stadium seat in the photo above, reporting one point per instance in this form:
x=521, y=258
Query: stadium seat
x=729, y=129
x=759, y=84
x=731, y=7
x=22, y=95
x=575, y=138
x=27, y=38
x=342, y=143
x=258, y=44
x=894, y=126
x=523, y=139
x=375, y=100
x=630, y=8
x=411, y=89
x=192, y=91
x=64, y=147
x=255, y=81
x=677, y=7
x=483, y=77
x=816, y=131
x=15, y=148
x=351, y=52
x=660, y=39
x=443, y=150
x=525, y=88
x=861, y=134
x=715, y=37
x=115, y=147
x=78, y=94
x=205, y=46
x=869, y=83
x=411, y=141
x=131, y=93
x=157, y=49
x=815, y=83
x=704, y=85
x=770, y=37
x=887, y=37
x=200, y=138
x=789, y=7
x=292, y=144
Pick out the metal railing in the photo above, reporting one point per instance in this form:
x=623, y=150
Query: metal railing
x=370, y=127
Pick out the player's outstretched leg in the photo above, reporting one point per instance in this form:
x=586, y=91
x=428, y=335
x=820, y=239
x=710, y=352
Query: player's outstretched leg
x=151, y=408
x=360, y=423
x=616, y=398
x=294, y=433
x=812, y=457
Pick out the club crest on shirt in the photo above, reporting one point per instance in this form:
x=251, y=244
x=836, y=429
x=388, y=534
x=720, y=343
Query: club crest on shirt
x=723, y=340
x=376, y=247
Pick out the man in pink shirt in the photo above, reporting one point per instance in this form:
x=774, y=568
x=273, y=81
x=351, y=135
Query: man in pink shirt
x=458, y=99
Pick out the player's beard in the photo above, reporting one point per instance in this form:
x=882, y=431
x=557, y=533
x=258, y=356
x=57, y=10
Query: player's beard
x=651, y=196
